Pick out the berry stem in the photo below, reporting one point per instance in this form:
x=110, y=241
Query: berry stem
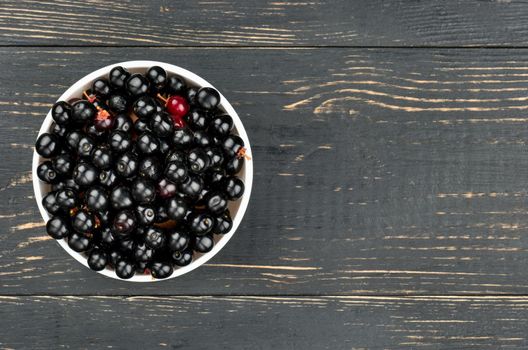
x=242, y=154
x=91, y=98
x=162, y=98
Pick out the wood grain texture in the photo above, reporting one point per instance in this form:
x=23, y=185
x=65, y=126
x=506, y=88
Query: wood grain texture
x=268, y=23
x=376, y=171
x=263, y=323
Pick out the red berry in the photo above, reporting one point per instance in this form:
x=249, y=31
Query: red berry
x=177, y=106
x=178, y=122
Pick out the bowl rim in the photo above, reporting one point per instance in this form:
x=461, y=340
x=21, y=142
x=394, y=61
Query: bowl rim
x=195, y=80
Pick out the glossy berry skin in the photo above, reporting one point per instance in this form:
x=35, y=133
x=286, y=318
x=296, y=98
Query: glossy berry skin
x=63, y=164
x=177, y=208
x=124, y=223
x=79, y=242
x=165, y=146
x=147, y=143
x=97, y=259
x=178, y=240
x=223, y=223
x=142, y=252
x=61, y=112
x=102, y=218
x=175, y=85
x=127, y=165
x=157, y=77
x=121, y=198
x=101, y=87
x=197, y=119
x=149, y=168
x=123, y=123
x=107, y=237
x=85, y=174
x=201, y=224
x=145, y=214
x=221, y=126
x=47, y=173
x=215, y=202
x=137, y=85
x=58, y=227
x=118, y=103
x=143, y=191
x=191, y=95
x=176, y=171
x=72, y=139
x=94, y=133
x=234, y=165
x=207, y=98
x=144, y=107
x=161, y=270
x=85, y=146
x=108, y=178
x=115, y=256
x=67, y=183
x=66, y=199
x=176, y=156
x=234, y=188
x=83, y=222
x=48, y=145
x=166, y=188
x=124, y=269
x=83, y=112
x=49, y=202
x=192, y=186
x=182, y=138
x=216, y=157
x=203, y=244
x=96, y=199
x=141, y=267
x=159, y=106
x=119, y=141
x=154, y=237
x=161, y=124
x=177, y=106
x=102, y=157
x=126, y=245
x=117, y=77
x=59, y=130
x=161, y=213
x=183, y=258
x=198, y=160
x=202, y=139
x=141, y=126
x=232, y=145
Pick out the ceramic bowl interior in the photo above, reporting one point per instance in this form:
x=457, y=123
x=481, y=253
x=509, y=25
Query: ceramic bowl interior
x=236, y=208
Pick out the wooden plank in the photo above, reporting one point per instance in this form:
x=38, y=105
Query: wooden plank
x=377, y=171
x=268, y=23
x=238, y=322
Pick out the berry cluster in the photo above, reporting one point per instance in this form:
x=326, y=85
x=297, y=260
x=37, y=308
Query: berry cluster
x=141, y=169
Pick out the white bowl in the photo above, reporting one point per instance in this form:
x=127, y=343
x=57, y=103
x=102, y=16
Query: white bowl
x=237, y=208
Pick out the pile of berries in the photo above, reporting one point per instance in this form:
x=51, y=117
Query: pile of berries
x=141, y=168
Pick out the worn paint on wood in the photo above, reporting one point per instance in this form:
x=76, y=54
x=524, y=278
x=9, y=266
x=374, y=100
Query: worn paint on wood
x=242, y=322
x=264, y=23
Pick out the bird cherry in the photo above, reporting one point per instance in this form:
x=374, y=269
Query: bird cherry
x=103, y=119
x=178, y=107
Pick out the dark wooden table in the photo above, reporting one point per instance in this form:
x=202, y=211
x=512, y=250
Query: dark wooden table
x=389, y=207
